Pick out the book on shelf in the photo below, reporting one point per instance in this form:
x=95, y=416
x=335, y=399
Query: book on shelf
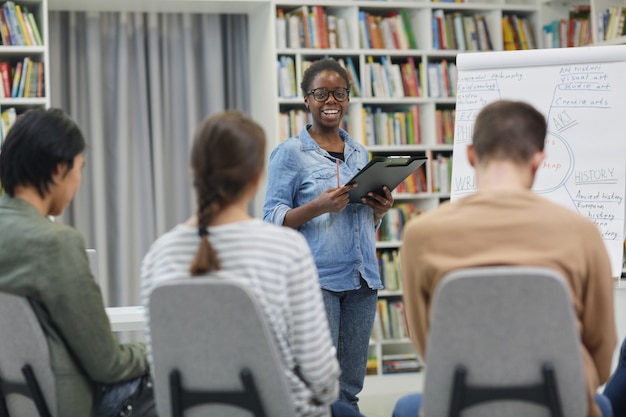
x=441, y=167
x=4, y=29
x=23, y=76
x=16, y=79
x=33, y=24
x=364, y=39
x=286, y=77
x=507, y=35
x=471, y=33
x=408, y=27
x=331, y=27
x=5, y=73
x=8, y=118
x=484, y=40
x=281, y=29
x=400, y=363
x=389, y=268
x=353, y=75
x=372, y=363
x=24, y=27
x=15, y=33
x=343, y=33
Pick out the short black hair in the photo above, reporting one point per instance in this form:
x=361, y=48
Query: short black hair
x=36, y=144
x=324, y=64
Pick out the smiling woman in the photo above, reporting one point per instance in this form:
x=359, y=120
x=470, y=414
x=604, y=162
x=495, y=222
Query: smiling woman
x=305, y=192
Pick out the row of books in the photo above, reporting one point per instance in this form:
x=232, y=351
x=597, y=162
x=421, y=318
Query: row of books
x=390, y=322
x=571, y=32
x=464, y=32
x=401, y=127
x=18, y=26
x=395, y=363
x=442, y=79
x=401, y=363
x=384, y=78
x=291, y=122
x=414, y=183
x=611, y=23
x=517, y=33
x=390, y=31
x=444, y=126
x=392, y=224
x=310, y=27
x=25, y=79
x=389, y=269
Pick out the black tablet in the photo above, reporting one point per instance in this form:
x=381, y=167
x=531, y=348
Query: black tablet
x=381, y=171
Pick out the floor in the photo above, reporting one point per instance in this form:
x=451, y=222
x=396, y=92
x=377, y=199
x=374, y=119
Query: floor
x=380, y=393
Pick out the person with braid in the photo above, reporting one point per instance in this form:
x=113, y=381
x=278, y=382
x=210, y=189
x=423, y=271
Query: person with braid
x=222, y=241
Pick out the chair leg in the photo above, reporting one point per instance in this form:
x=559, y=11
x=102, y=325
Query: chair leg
x=4, y=412
x=175, y=394
x=458, y=392
x=549, y=380
x=253, y=393
x=35, y=391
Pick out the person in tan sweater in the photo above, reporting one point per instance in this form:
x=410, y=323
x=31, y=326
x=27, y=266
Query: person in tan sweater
x=505, y=223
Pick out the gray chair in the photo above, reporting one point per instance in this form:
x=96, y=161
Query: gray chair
x=27, y=385
x=503, y=341
x=213, y=352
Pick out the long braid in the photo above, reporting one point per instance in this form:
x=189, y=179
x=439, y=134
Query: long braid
x=227, y=153
x=206, y=258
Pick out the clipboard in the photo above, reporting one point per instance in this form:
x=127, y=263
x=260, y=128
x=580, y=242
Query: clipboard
x=381, y=171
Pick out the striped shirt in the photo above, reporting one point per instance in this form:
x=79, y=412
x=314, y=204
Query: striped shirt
x=276, y=263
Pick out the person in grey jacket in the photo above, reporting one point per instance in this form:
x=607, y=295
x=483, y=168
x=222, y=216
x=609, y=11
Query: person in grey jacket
x=45, y=261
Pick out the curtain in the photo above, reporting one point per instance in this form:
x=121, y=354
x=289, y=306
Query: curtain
x=138, y=84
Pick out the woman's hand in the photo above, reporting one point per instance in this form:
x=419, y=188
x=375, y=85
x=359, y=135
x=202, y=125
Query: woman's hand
x=334, y=200
x=378, y=203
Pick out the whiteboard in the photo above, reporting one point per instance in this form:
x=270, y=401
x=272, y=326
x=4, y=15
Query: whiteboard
x=582, y=93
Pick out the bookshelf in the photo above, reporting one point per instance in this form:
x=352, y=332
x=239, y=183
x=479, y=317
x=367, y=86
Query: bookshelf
x=24, y=59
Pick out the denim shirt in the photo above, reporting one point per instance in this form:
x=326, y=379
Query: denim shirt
x=344, y=243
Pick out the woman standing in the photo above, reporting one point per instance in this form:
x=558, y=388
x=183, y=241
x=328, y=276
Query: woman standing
x=304, y=192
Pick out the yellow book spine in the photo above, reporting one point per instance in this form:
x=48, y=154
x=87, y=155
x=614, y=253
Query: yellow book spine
x=20, y=19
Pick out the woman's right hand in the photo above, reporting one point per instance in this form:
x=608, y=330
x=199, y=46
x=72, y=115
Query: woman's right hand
x=334, y=200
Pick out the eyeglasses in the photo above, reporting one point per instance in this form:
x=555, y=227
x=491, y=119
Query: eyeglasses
x=321, y=94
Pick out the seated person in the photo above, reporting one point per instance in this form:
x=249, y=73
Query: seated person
x=505, y=223
x=222, y=241
x=615, y=389
x=40, y=171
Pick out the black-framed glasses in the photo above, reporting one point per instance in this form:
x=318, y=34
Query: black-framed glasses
x=321, y=94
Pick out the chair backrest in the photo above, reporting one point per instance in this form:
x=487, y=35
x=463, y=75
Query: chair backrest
x=502, y=324
x=23, y=342
x=210, y=330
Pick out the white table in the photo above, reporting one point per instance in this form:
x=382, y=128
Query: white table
x=126, y=318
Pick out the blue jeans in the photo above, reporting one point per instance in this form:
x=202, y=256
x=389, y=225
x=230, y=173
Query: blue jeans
x=351, y=318
x=615, y=389
x=111, y=398
x=343, y=409
x=409, y=405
